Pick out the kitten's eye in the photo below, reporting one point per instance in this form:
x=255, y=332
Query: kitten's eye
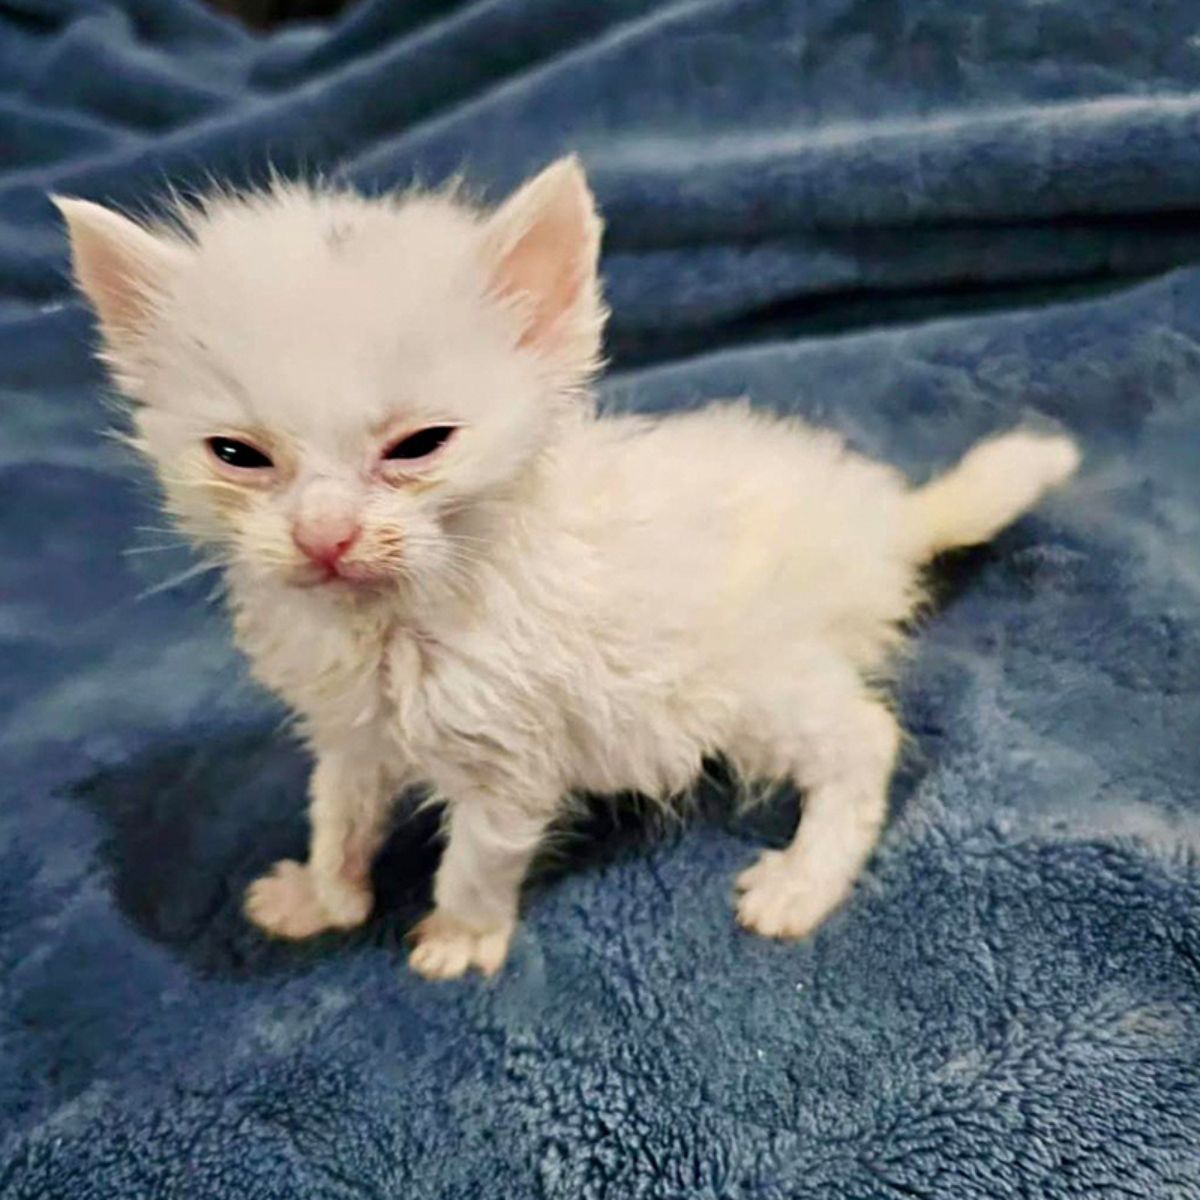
x=420, y=444
x=238, y=454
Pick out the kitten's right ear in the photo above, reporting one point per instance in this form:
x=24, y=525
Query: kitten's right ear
x=119, y=266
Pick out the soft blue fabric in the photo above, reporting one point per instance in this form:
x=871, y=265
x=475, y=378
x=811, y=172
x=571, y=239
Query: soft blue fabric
x=1010, y=1005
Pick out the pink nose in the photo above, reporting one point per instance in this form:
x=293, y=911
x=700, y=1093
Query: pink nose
x=325, y=541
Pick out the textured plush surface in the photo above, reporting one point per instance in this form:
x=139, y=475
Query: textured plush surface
x=1010, y=1006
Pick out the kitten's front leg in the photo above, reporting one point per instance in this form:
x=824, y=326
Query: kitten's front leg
x=490, y=842
x=350, y=795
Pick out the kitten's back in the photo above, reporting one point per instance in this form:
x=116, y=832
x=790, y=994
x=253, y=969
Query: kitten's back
x=745, y=520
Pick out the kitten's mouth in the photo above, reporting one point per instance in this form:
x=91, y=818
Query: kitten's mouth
x=349, y=575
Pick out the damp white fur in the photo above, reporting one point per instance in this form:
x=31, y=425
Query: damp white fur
x=543, y=600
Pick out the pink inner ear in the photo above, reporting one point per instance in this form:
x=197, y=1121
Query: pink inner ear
x=112, y=277
x=544, y=267
x=546, y=241
x=118, y=264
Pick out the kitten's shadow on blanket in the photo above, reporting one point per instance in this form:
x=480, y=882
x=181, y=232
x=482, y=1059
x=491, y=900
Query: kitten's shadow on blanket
x=190, y=826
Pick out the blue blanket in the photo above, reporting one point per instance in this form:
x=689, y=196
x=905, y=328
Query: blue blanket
x=914, y=220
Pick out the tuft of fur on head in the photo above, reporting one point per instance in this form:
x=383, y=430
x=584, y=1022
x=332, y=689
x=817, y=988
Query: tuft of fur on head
x=320, y=327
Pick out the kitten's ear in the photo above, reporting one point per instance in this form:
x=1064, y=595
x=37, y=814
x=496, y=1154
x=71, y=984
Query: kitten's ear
x=119, y=266
x=542, y=248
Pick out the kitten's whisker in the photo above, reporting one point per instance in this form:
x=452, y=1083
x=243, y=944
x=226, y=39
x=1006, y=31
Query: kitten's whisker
x=174, y=581
x=219, y=592
x=132, y=550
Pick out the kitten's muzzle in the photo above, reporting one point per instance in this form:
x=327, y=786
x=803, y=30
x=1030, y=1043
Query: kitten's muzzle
x=326, y=524
x=326, y=541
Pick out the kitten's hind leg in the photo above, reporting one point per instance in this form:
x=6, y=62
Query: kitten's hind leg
x=840, y=752
x=350, y=796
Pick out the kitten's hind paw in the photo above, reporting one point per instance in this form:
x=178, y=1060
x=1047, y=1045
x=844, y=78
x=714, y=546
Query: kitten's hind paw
x=285, y=903
x=445, y=948
x=778, y=899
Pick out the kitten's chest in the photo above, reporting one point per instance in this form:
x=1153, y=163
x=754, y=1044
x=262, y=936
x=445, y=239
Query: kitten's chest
x=423, y=693
x=450, y=702
x=332, y=668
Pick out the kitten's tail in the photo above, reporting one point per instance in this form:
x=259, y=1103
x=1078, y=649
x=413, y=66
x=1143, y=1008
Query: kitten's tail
x=994, y=483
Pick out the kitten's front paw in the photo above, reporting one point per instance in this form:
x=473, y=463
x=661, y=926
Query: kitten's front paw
x=780, y=899
x=445, y=948
x=284, y=903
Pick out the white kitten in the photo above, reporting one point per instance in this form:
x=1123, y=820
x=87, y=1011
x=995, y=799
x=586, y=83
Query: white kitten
x=376, y=413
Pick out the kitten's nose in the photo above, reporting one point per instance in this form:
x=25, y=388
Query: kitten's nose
x=326, y=539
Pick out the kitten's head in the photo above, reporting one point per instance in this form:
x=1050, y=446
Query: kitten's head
x=326, y=385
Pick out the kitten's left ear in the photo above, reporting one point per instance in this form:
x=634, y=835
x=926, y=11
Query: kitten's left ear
x=542, y=247
x=121, y=267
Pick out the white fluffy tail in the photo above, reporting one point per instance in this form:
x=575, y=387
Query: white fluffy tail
x=992, y=485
